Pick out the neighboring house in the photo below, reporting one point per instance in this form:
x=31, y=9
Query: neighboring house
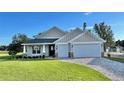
x=115, y=49
x=55, y=42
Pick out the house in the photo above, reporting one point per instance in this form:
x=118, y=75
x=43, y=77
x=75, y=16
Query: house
x=118, y=49
x=56, y=42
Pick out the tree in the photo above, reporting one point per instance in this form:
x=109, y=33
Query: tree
x=16, y=46
x=84, y=26
x=19, y=38
x=14, y=49
x=105, y=32
x=3, y=47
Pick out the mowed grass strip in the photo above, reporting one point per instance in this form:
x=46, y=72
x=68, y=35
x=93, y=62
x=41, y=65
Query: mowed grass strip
x=117, y=59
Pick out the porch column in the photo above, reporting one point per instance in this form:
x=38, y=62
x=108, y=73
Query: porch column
x=44, y=49
x=24, y=50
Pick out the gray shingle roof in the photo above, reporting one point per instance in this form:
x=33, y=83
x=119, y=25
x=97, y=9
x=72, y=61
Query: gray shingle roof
x=41, y=40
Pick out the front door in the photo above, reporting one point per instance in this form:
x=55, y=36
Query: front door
x=51, y=50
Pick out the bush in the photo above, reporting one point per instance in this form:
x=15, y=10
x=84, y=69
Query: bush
x=20, y=56
x=29, y=57
x=43, y=56
x=25, y=57
x=109, y=55
x=33, y=57
x=40, y=56
x=12, y=52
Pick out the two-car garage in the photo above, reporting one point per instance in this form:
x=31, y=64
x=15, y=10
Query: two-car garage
x=80, y=50
x=85, y=44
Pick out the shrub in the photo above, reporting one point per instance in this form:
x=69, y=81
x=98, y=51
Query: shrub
x=43, y=56
x=29, y=57
x=33, y=57
x=40, y=56
x=109, y=55
x=12, y=53
x=25, y=57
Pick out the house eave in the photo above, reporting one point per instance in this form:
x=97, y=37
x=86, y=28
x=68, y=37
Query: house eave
x=37, y=43
x=91, y=42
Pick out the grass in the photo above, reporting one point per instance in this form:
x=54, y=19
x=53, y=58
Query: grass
x=117, y=59
x=39, y=69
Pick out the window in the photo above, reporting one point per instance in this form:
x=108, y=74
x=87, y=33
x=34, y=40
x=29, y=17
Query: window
x=36, y=49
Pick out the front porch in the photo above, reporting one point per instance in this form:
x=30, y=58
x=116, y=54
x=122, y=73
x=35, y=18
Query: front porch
x=34, y=50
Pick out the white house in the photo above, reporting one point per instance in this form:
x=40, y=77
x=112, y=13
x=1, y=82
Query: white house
x=118, y=49
x=55, y=42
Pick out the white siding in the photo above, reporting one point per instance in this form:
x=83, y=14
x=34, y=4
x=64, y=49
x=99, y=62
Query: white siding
x=69, y=36
x=86, y=37
x=29, y=50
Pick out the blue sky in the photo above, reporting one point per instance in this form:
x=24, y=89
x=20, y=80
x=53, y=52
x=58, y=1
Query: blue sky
x=33, y=23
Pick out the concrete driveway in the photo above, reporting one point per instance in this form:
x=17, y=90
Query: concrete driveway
x=112, y=69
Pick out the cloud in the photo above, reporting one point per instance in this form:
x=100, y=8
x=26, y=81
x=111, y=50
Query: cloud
x=71, y=28
x=87, y=13
x=90, y=27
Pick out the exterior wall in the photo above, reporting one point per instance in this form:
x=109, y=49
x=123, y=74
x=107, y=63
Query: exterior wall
x=102, y=47
x=29, y=51
x=86, y=38
x=69, y=36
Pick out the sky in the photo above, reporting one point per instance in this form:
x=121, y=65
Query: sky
x=32, y=23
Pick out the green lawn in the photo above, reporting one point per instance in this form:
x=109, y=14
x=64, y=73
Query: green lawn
x=117, y=59
x=39, y=69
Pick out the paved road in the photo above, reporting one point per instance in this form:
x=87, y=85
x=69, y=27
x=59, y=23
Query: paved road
x=112, y=69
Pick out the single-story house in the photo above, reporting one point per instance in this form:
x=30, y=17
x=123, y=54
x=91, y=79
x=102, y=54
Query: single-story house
x=118, y=49
x=61, y=44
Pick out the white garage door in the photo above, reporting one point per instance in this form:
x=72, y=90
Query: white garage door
x=87, y=50
x=63, y=50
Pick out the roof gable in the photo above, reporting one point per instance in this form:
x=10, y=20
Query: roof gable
x=87, y=37
x=69, y=36
x=53, y=32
